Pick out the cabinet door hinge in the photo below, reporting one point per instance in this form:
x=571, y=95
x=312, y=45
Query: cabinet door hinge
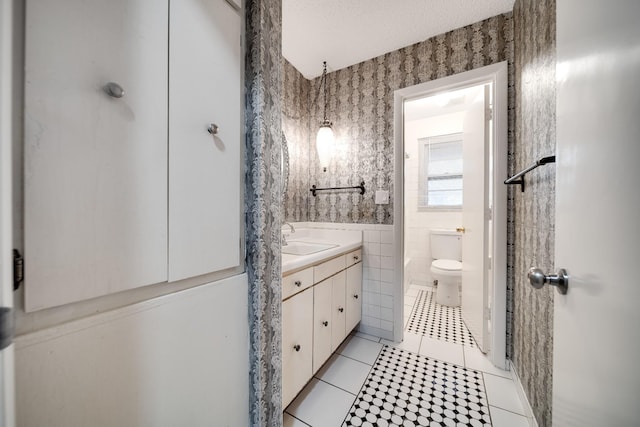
x=6, y=327
x=18, y=269
x=489, y=114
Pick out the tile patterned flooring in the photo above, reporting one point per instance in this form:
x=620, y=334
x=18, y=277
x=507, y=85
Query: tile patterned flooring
x=438, y=321
x=420, y=381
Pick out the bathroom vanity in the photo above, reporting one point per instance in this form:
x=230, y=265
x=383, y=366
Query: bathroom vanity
x=321, y=301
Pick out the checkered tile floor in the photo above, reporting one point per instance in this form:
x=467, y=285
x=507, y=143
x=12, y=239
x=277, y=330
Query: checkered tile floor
x=407, y=389
x=438, y=321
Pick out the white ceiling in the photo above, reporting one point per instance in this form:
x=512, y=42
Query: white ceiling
x=346, y=32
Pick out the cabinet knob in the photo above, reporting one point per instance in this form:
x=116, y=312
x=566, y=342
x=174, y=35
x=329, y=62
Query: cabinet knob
x=296, y=347
x=297, y=283
x=114, y=90
x=356, y=257
x=341, y=309
x=213, y=129
x=325, y=323
x=356, y=296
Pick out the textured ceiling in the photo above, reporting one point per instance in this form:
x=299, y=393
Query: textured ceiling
x=346, y=32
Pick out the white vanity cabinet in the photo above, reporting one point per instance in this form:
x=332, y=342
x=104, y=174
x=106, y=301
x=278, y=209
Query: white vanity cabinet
x=334, y=314
x=123, y=185
x=353, y=296
x=338, y=309
x=322, y=323
x=297, y=343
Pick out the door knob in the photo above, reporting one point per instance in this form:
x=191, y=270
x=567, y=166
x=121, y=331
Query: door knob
x=460, y=229
x=537, y=279
x=114, y=90
x=213, y=129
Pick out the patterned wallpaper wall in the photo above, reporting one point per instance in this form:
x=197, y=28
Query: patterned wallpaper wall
x=361, y=108
x=263, y=202
x=534, y=210
x=295, y=125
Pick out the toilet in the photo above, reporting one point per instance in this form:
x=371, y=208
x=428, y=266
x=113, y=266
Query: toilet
x=446, y=267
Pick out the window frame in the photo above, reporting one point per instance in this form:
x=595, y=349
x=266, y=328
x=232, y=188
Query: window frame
x=423, y=173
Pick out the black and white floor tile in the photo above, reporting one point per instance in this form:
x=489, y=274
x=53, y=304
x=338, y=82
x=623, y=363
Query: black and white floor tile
x=437, y=321
x=407, y=389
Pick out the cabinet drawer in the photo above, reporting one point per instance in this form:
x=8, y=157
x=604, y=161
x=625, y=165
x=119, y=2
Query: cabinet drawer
x=329, y=268
x=296, y=282
x=354, y=257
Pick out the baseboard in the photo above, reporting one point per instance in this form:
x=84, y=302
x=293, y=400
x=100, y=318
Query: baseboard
x=528, y=411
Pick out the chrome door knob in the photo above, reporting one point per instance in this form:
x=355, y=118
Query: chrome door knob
x=213, y=129
x=114, y=90
x=538, y=279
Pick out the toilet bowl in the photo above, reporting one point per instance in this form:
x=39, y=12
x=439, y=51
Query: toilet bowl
x=448, y=273
x=446, y=267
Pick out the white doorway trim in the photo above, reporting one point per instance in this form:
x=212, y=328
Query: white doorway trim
x=496, y=74
x=7, y=377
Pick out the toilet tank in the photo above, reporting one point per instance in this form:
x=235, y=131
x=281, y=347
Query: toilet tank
x=446, y=244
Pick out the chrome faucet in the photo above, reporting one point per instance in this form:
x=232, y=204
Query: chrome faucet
x=293, y=230
x=284, y=237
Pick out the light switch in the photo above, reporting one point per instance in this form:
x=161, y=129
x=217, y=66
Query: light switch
x=382, y=197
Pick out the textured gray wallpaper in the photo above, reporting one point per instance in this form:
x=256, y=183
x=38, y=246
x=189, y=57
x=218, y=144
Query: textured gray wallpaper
x=295, y=124
x=263, y=201
x=534, y=210
x=361, y=108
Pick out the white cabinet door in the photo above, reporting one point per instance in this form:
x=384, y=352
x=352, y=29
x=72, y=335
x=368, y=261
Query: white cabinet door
x=95, y=165
x=297, y=330
x=353, y=297
x=204, y=169
x=322, y=323
x=338, y=290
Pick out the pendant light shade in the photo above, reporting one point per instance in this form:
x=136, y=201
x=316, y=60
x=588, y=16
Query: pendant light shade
x=325, y=140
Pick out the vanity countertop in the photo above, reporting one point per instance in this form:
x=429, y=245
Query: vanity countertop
x=346, y=241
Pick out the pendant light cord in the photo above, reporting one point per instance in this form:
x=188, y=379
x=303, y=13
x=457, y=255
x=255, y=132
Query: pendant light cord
x=324, y=80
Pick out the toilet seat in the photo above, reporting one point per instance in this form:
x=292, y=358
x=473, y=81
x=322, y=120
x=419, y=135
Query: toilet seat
x=450, y=265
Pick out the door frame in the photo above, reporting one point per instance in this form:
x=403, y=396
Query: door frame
x=7, y=380
x=498, y=75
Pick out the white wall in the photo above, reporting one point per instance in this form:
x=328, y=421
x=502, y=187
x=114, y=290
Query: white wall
x=418, y=222
x=180, y=359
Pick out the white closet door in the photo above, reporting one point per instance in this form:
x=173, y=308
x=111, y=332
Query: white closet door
x=204, y=169
x=95, y=165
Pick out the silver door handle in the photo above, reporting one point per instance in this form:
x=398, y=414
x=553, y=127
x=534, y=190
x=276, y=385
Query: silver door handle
x=537, y=279
x=213, y=129
x=114, y=90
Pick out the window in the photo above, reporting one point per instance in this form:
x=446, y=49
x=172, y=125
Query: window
x=440, y=172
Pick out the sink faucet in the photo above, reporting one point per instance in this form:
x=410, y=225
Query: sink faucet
x=284, y=237
x=293, y=230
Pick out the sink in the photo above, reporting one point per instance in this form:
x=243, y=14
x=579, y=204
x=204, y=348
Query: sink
x=305, y=248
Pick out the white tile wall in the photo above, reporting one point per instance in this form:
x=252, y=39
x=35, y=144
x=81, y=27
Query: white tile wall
x=378, y=250
x=418, y=222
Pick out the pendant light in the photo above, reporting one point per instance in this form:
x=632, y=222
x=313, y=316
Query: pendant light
x=325, y=140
